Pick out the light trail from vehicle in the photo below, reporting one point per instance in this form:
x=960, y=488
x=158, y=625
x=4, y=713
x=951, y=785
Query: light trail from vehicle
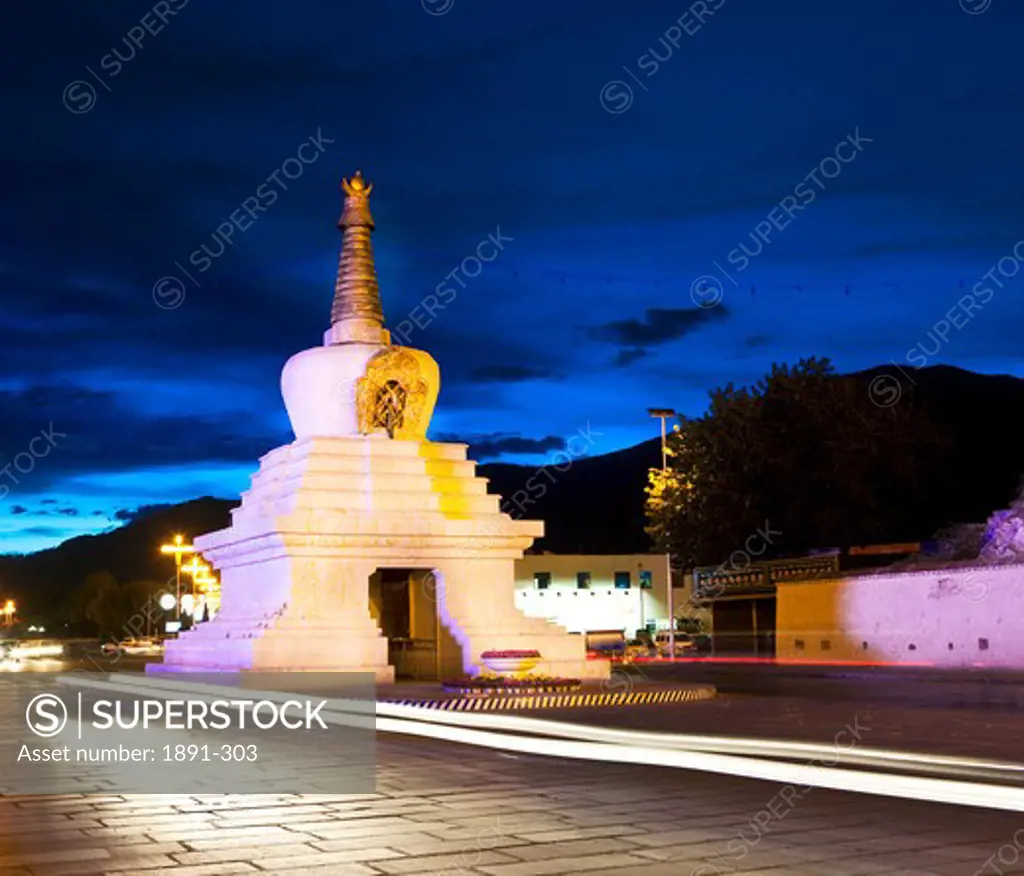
x=932, y=790
x=854, y=755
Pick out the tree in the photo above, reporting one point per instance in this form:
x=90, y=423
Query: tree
x=804, y=452
x=140, y=607
x=97, y=600
x=962, y=541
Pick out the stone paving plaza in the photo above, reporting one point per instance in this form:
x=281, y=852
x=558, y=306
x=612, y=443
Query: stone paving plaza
x=450, y=809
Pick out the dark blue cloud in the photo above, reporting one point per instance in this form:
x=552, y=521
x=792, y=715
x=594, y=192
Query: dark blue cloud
x=489, y=447
x=629, y=356
x=511, y=374
x=659, y=326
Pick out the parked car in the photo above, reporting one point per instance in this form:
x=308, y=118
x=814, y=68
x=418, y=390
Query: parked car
x=638, y=649
x=683, y=641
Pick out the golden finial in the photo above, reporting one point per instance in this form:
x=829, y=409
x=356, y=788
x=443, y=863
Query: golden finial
x=357, y=202
x=357, y=187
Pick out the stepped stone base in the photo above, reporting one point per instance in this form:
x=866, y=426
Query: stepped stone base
x=322, y=515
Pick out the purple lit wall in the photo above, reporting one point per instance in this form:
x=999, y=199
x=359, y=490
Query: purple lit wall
x=956, y=617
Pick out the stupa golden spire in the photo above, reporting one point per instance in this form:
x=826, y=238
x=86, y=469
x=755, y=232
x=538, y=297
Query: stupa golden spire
x=356, y=293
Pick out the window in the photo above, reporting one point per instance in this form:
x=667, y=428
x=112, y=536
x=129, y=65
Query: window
x=542, y=580
x=583, y=580
x=646, y=581
x=622, y=580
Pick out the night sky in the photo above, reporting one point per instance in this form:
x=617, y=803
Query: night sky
x=620, y=152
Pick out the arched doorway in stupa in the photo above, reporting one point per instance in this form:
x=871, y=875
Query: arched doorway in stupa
x=404, y=603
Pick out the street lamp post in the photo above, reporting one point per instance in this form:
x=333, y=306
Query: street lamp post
x=640, y=587
x=665, y=414
x=662, y=414
x=197, y=570
x=179, y=549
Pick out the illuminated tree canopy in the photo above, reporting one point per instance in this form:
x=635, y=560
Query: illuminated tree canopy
x=804, y=451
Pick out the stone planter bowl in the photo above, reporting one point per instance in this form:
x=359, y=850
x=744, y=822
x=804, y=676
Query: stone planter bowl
x=510, y=665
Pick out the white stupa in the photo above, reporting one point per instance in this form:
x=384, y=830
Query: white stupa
x=362, y=489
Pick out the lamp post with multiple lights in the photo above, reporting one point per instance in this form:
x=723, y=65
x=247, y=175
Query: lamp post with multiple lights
x=665, y=414
x=195, y=568
x=9, y=611
x=178, y=549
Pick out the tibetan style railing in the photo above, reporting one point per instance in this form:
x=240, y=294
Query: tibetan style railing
x=712, y=582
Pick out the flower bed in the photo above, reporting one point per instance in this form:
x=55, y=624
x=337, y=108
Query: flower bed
x=490, y=684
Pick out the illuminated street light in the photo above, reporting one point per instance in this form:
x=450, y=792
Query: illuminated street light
x=664, y=414
x=167, y=602
x=209, y=586
x=209, y=590
x=199, y=573
x=206, y=582
x=9, y=611
x=179, y=549
x=195, y=567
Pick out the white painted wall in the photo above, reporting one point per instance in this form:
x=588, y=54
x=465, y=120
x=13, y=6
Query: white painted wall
x=602, y=607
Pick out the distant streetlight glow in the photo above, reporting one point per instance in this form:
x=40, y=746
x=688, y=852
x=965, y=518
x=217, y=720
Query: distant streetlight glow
x=200, y=574
x=167, y=602
x=209, y=592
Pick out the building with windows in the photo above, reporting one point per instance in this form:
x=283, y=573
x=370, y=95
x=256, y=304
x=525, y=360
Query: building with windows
x=590, y=592
x=746, y=600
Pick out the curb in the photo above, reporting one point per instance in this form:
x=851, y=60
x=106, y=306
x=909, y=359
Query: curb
x=554, y=701
x=510, y=691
